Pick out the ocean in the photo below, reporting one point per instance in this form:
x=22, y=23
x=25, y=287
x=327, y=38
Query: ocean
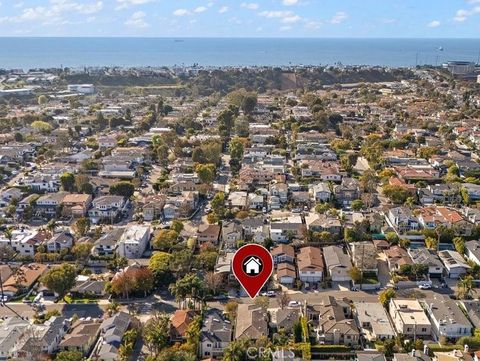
x=27, y=53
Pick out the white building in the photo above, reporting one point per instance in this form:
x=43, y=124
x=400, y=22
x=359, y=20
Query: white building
x=448, y=321
x=374, y=321
x=81, y=88
x=454, y=263
x=409, y=318
x=134, y=241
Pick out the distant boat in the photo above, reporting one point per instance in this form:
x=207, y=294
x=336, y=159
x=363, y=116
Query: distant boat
x=179, y=40
x=440, y=48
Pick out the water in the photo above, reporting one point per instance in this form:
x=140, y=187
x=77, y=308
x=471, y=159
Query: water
x=78, y=52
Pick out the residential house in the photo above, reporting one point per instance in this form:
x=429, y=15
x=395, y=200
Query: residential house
x=286, y=274
x=284, y=319
x=409, y=318
x=81, y=337
x=208, y=234
x=321, y=192
x=111, y=334
x=89, y=286
x=8, y=195
x=364, y=255
x=473, y=191
x=232, y=232
x=280, y=190
x=397, y=257
x=134, y=241
x=454, y=263
x=448, y=321
x=254, y=228
x=374, y=321
x=253, y=324
x=454, y=355
x=284, y=231
x=106, y=208
x=153, y=207
x=215, y=335
x=107, y=244
x=76, y=205
x=432, y=217
x=310, y=265
x=10, y=333
x=337, y=264
x=179, y=323
x=370, y=356
x=330, y=322
x=49, y=204
x=472, y=310
x=402, y=220
x=414, y=355
x=323, y=223
x=59, y=241
x=427, y=257
x=31, y=273
x=283, y=253
x=347, y=191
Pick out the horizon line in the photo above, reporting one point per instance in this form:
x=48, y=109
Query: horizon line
x=227, y=37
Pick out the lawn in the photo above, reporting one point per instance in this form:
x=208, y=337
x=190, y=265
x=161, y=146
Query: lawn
x=70, y=299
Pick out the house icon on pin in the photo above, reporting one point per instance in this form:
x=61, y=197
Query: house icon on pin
x=252, y=266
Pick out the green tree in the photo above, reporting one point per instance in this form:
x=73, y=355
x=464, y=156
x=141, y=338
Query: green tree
x=385, y=297
x=156, y=333
x=396, y=194
x=60, y=279
x=357, y=205
x=190, y=286
x=81, y=251
x=8, y=233
x=459, y=244
x=206, y=172
x=236, y=350
x=41, y=127
x=165, y=240
x=355, y=274
x=42, y=100
x=431, y=243
x=465, y=287
x=68, y=181
x=82, y=226
x=160, y=266
x=122, y=188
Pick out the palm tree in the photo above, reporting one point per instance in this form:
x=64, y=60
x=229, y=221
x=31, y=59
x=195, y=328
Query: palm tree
x=8, y=233
x=51, y=225
x=465, y=287
x=235, y=351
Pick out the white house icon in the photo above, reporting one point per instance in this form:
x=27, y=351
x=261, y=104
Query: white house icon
x=252, y=266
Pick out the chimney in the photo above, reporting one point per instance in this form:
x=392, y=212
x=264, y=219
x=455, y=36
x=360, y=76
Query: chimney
x=465, y=348
x=425, y=349
x=413, y=352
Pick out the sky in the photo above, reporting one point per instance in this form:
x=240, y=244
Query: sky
x=229, y=18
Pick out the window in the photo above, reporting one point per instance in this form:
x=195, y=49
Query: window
x=424, y=329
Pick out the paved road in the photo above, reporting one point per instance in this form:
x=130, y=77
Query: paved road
x=25, y=310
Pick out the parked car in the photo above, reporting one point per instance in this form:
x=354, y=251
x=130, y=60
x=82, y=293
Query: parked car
x=425, y=286
x=294, y=304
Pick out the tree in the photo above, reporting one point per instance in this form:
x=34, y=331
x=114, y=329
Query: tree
x=431, y=243
x=206, y=172
x=83, y=185
x=262, y=301
x=69, y=356
x=189, y=286
x=60, y=279
x=396, y=194
x=42, y=100
x=41, y=127
x=236, y=350
x=385, y=297
x=165, y=240
x=123, y=283
x=368, y=181
x=283, y=299
x=160, y=266
x=218, y=204
x=123, y=188
x=156, y=333
x=213, y=281
x=81, y=251
x=357, y=205
x=231, y=310
x=82, y=226
x=355, y=274
x=465, y=287
x=392, y=238
x=459, y=244
x=8, y=233
x=68, y=181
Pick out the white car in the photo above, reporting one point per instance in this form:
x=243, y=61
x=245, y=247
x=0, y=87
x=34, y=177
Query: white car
x=425, y=286
x=294, y=304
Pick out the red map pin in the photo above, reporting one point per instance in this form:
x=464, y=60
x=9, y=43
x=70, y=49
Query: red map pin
x=252, y=266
